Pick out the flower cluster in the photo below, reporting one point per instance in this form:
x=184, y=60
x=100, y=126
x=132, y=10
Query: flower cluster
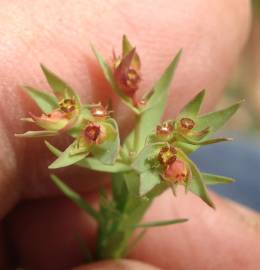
x=152, y=158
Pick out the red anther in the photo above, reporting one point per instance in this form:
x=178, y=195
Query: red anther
x=187, y=123
x=93, y=133
x=164, y=129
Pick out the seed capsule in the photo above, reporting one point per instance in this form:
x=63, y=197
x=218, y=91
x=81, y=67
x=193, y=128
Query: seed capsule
x=176, y=172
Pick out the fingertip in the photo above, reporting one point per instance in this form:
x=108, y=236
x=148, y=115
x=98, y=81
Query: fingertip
x=117, y=265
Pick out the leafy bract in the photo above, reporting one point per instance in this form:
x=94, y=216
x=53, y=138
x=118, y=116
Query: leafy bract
x=153, y=110
x=148, y=180
x=191, y=109
x=37, y=134
x=46, y=102
x=75, y=197
x=93, y=163
x=211, y=179
x=161, y=223
x=60, y=88
x=142, y=161
x=197, y=185
x=67, y=158
x=111, y=80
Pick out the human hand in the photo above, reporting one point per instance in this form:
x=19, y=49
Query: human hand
x=41, y=230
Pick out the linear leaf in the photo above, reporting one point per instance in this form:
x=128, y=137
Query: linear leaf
x=37, y=134
x=75, y=197
x=161, y=223
x=211, y=179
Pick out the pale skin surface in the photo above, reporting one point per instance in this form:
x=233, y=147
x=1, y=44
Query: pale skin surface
x=41, y=232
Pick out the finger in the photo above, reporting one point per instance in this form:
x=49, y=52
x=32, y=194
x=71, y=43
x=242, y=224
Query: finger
x=59, y=38
x=117, y=265
x=44, y=235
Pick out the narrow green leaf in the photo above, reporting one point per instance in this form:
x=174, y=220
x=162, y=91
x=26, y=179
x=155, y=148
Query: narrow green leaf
x=216, y=120
x=192, y=108
x=110, y=79
x=197, y=185
x=159, y=93
x=152, y=112
x=141, y=163
x=136, y=240
x=75, y=197
x=93, y=163
x=37, y=134
x=45, y=102
x=203, y=142
x=148, y=180
x=60, y=88
x=66, y=158
x=161, y=223
x=211, y=179
x=119, y=190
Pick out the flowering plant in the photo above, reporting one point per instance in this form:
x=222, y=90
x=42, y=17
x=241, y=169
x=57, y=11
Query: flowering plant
x=152, y=158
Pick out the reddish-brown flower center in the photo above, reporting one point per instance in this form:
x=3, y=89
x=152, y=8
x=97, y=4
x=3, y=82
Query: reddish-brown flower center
x=187, y=123
x=167, y=155
x=92, y=132
x=67, y=105
x=164, y=129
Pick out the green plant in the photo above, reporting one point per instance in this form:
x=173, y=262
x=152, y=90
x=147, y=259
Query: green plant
x=153, y=157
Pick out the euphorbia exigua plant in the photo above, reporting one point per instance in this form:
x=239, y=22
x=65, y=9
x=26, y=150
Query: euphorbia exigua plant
x=152, y=158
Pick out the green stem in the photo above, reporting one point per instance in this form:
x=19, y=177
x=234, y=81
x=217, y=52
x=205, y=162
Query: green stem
x=137, y=135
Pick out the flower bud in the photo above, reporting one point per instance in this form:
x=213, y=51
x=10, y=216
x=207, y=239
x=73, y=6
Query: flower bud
x=176, y=172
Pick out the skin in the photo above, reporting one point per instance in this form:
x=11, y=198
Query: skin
x=38, y=225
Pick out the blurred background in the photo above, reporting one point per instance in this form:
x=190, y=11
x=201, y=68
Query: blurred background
x=240, y=159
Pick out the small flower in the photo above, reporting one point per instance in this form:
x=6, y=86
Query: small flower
x=127, y=69
x=167, y=155
x=164, y=131
x=100, y=112
x=94, y=133
x=61, y=118
x=186, y=127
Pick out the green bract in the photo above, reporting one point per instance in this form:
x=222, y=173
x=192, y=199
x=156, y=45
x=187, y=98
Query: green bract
x=152, y=158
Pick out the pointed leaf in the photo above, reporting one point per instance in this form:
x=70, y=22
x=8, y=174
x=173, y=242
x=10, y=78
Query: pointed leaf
x=67, y=159
x=216, y=120
x=192, y=108
x=46, y=102
x=148, y=180
x=211, y=179
x=37, y=134
x=159, y=93
x=197, y=185
x=126, y=48
x=204, y=142
x=93, y=163
x=75, y=197
x=111, y=80
x=161, y=223
x=60, y=88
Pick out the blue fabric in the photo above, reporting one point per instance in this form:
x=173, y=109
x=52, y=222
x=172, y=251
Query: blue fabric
x=240, y=160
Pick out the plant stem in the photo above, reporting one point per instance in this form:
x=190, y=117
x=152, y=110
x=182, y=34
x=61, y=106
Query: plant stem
x=137, y=134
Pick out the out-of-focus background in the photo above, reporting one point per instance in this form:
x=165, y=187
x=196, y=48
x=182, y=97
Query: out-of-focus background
x=241, y=158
